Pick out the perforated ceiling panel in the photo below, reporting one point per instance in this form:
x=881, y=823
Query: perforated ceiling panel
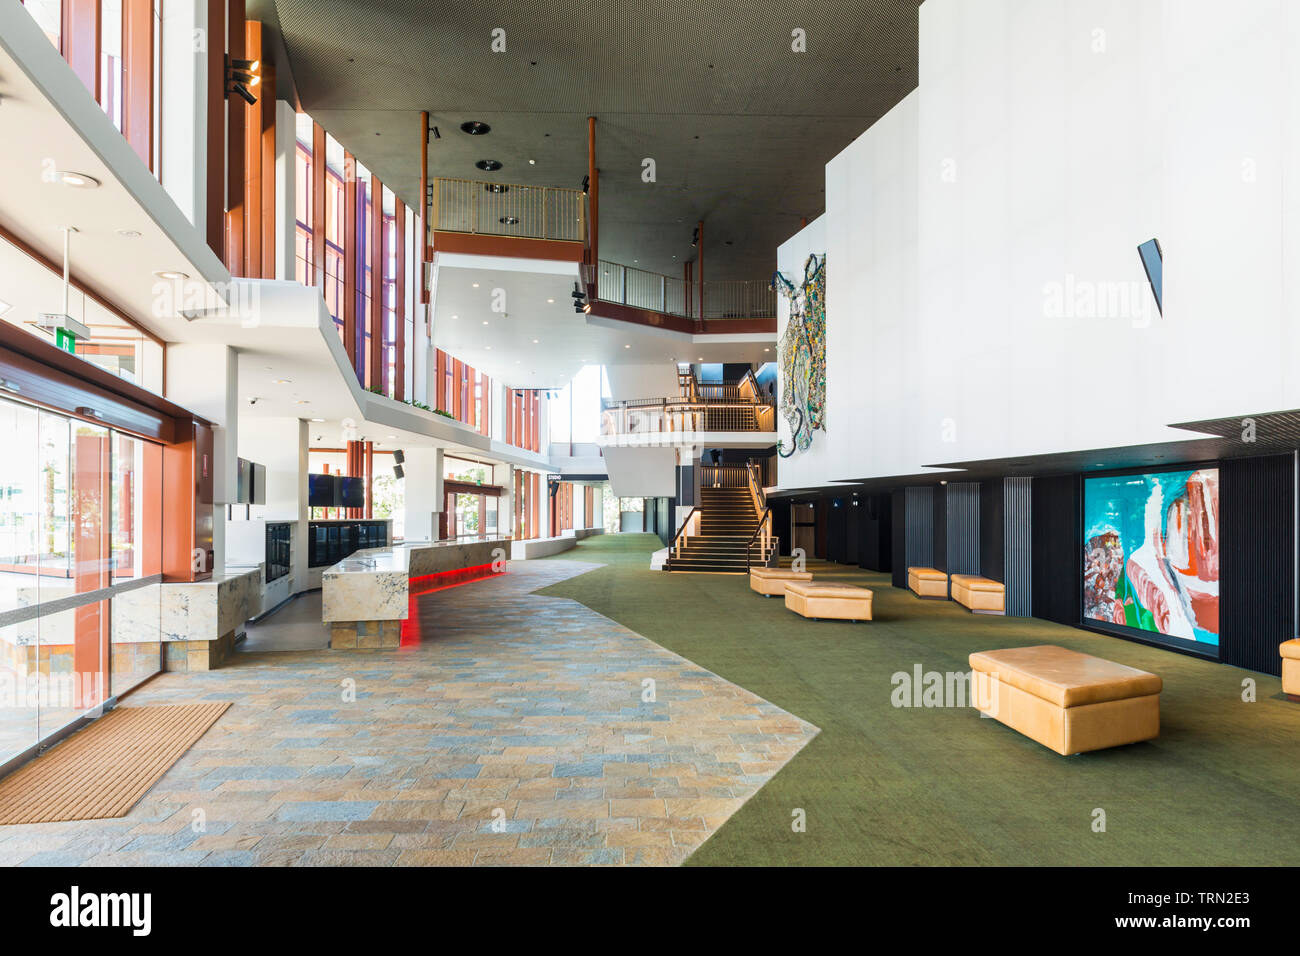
x=739, y=126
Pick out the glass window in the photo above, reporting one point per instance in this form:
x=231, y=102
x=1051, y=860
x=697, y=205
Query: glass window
x=48, y=15
x=111, y=76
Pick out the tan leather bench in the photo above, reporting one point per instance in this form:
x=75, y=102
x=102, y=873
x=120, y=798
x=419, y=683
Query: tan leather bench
x=1065, y=700
x=1291, y=668
x=928, y=582
x=980, y=595
x=817, y=599
x=772, y=581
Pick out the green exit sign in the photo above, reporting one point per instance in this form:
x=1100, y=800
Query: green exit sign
x=66, y=341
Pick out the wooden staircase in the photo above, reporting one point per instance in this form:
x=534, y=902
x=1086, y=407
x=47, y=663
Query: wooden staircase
x=727, y=522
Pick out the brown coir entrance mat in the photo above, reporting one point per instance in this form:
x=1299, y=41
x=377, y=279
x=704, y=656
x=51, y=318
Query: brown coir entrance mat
x=102, y=770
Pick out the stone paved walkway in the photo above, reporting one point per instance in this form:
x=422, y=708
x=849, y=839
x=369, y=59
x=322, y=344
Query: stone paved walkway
x=511, y=729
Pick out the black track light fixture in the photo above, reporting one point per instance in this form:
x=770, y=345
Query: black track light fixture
x=242, y=77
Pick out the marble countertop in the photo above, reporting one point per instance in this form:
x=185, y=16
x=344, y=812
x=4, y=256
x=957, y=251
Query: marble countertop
x=398, y=557
x=374, y=584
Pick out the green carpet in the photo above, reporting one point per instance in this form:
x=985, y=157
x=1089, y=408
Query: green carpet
x=887, y=785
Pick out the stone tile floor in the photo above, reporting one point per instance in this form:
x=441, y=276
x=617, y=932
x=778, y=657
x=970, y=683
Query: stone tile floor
x=509, y=729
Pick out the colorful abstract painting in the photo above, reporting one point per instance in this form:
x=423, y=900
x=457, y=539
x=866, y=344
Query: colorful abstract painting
x=1151, y=552
x=802, y=352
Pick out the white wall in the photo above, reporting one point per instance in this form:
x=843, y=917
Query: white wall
x=984, y=293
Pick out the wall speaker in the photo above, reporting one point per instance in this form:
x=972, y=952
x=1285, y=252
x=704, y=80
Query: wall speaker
x=398, y=457
x=399, y=471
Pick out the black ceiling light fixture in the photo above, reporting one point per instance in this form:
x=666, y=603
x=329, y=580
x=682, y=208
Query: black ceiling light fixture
x=579, y=299
x=489, y=165
x=475, y=128
x=509, y=220
x=496, y=188
x=586, y=184
x=695, y=237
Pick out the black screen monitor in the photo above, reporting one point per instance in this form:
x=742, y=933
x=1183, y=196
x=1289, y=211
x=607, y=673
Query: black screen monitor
x=353, y=492
x=323, y=491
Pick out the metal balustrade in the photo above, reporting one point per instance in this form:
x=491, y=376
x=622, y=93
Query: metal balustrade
x=723, y=299
x=508, y=209
x=664, y=416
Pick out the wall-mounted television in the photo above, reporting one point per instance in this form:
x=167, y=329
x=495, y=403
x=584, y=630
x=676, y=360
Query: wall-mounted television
x=1151, y=556
x=243, y=481
x=257, y=493
x=323, y=491
x=353, y=492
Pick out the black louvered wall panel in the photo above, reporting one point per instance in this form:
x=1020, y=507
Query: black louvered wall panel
x=991, y=530
x=898, y=538
x=1057, y=549
x=919, y=530
x=939, y=527
x=1017, y=501
x=1256, y=560
x=962, y=527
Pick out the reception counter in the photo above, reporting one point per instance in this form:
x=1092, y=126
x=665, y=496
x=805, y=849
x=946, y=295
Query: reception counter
x=366, y=596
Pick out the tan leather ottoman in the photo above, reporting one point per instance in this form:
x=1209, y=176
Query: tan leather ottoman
x=1290, y=651
x=816, y=599
x=1067, y=701
x=980, y=595
x=928, y=583
x=772, y=581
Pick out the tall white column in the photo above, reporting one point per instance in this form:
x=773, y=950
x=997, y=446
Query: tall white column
x=286, y=192
x=281, y=445
x=204, y=378
x=423, y=492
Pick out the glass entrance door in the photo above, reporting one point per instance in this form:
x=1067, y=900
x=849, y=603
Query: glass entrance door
x=80, y=571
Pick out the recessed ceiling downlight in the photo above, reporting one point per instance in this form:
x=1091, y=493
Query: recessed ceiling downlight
x=77, y=180
x=475, y=128
x=489, y=165
x=509, y=220
x=167, y=274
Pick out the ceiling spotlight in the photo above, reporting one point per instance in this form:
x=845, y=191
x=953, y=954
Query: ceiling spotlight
x=532, y=162
x=695, y=237
x=489, y=165
x=318, y=419
x=627, y=346
x=509, y=220
x=586, y=183
x=475, y=128
x=485, y=321
x=129, y=233
x=535, y=341
x=455, y=316
x=281, y=381
x=78, y=180
x=550, y=301
x=496, y=188
x=167, y=274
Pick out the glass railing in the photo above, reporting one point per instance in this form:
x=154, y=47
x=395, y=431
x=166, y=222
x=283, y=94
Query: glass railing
x=723, y=299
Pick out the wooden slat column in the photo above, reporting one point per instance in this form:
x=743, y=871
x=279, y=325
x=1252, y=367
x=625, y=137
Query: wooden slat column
x=399, y=233
x=350, y=261
x=375, y=320
x=318, y=220
x=137, y=72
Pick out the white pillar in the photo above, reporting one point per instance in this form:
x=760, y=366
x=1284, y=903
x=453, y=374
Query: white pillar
x=286, y=192
x=204, y=378
x=281, y=445
x=506, y=503
x=424, y=492
x=183, y=163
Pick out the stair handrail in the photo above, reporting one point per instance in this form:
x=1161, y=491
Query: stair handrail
x=762, y=534
x=680, y=538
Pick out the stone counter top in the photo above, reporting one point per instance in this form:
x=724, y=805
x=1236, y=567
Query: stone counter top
x=374, y=584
